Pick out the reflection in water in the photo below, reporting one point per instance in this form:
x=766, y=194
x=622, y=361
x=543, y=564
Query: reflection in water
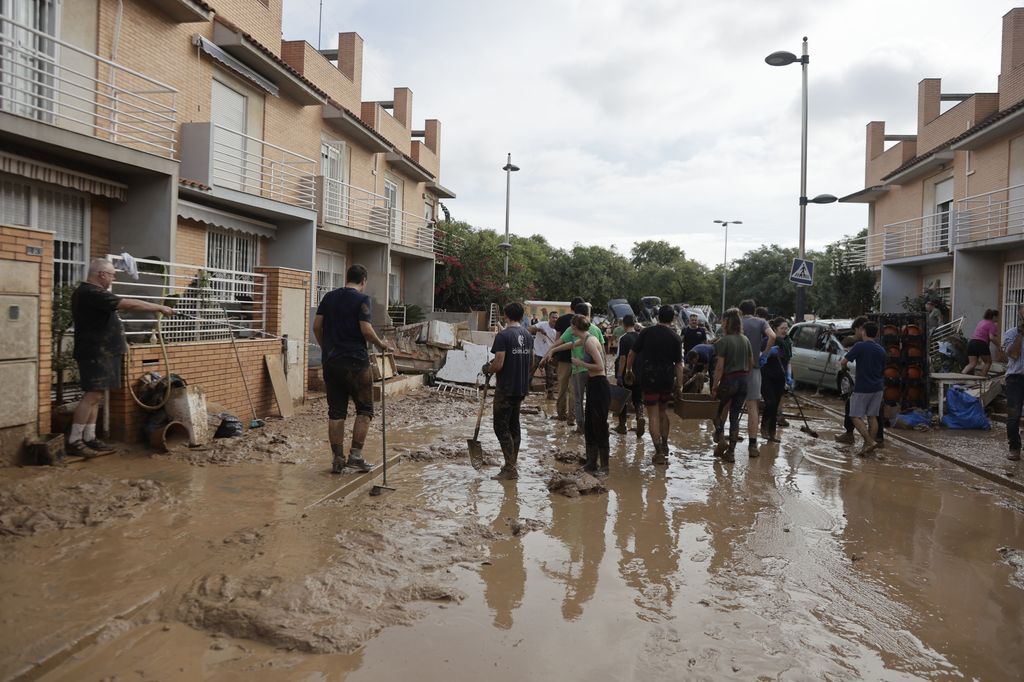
x=579, y=524
x=505, y=578
x=648, y=556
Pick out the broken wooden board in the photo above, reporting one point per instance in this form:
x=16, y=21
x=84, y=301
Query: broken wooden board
x=387, y=362
x=279, y=382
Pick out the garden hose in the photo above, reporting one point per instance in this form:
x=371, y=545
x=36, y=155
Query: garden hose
x=167, y=365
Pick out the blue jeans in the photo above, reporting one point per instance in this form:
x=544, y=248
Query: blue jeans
x=1014, y=399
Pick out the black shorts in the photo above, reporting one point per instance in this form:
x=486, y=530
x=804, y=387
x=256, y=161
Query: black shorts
x=978, y=349
x=348, y=378
x=100, y=373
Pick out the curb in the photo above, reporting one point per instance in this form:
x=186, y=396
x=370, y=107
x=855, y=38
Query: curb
x=973, y=468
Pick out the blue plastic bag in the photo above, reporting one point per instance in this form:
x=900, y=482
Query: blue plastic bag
x=964, y=411
x=914, y=418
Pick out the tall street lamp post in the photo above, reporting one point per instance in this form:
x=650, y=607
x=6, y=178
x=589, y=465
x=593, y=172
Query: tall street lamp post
x=725, y=254
x=506, y=245
x=783, y=58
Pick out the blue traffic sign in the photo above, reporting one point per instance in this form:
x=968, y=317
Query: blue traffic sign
x=802, y=272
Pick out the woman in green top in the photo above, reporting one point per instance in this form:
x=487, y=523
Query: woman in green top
x=774, y=375
x=734, y=359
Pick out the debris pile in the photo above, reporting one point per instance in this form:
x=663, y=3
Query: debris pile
x=575, y=484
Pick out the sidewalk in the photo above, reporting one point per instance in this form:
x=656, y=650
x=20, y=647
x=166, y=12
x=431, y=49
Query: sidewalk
x=982, y=452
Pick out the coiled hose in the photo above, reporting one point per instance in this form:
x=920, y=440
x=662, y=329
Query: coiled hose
x=167, y=365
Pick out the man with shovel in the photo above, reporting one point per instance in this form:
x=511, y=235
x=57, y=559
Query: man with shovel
x=342, y=328
x=512, y=364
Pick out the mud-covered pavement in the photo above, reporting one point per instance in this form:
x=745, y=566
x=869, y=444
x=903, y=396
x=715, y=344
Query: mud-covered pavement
x=805, y=563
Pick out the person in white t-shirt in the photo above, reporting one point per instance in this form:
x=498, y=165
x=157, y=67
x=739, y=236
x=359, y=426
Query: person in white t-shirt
x=545, y=336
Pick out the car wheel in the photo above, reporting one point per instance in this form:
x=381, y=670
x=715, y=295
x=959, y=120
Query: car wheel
x=844, y=383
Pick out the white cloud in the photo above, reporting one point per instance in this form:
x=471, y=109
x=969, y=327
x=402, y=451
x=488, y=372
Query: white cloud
x=636, y=119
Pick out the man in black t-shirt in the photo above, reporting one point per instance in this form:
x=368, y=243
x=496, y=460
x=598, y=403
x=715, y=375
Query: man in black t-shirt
x=662, y=373
x=342, y=328
x=99, y=350
x=626, y=344
x=694, y=334
x=562, y=405
x=513, y=365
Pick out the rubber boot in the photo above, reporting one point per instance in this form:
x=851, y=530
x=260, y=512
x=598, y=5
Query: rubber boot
x=641, y=423
x=621, y=426
x=338, y=464
x=660, y=454
x=591, y=466
x=508, y=470
x=603, y=457
x=729, y=455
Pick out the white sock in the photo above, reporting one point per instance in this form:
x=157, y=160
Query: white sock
x=89, y=434
x=76, y=433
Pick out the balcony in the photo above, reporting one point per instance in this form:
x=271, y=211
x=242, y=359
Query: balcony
x=48, y=80
x=223, y=158
x=412, y=231
x=991, y=215
x=925, y=237
x=358, y=209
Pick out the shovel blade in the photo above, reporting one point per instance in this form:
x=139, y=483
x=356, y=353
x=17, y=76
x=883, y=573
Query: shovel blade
x=476, y=453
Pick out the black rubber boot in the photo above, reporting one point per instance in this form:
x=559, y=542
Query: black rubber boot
x=338, y=465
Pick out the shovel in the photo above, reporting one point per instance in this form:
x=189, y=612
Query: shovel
x=476, y=451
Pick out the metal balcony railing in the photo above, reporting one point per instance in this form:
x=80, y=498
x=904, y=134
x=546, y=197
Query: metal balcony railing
x=355, y=208
x=254, y=166
x=210, y=304
x=999, y=213
x=928, y=234
x=49, y=80
x=409, y=229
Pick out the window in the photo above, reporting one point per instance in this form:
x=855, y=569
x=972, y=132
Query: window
x=936, y=234
x=806, y=336
x=393, y=199
x=26, y=67
x=394, y=282
x=63, y=212
x=232, y=258
x=1013, y=294
x=330, y=272
x=334, y=162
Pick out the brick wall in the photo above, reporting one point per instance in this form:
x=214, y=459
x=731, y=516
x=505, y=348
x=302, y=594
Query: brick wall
x=190, y=242
x=14, y=241
x=210, y=365
x=281, y=278
x=955, y=121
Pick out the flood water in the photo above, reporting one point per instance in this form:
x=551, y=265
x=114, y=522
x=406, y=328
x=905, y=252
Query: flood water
x=805, y=563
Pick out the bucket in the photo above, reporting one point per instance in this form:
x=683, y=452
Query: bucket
x=170, y=437
x=620, y=396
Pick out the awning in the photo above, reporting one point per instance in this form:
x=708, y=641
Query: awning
x=184, y=11
x=234, y=65
x=224, y=220
x=63, y=177
x=408, y=166
x=266, y=63
x=440, y=190
x=358, y=132
x=868, y=195
x=925, y=166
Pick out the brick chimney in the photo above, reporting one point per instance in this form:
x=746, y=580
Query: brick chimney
x=350, y=57
x=1013, y=56
x=403, y=107
x=929, y=93
x=432, y=139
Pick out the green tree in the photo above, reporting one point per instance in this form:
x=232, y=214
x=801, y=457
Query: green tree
x=651, y=252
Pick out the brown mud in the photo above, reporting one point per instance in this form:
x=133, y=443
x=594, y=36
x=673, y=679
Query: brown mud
x=806, y=563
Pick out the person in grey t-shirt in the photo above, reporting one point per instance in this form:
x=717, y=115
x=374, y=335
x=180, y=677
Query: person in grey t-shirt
x=761, y=337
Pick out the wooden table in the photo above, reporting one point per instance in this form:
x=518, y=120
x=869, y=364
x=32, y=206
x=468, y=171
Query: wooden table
x=947, y=379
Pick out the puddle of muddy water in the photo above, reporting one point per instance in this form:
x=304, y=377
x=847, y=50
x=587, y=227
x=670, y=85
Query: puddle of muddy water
x=805, y=563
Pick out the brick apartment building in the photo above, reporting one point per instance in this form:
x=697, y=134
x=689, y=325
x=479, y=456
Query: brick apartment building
x=244, y=170
x=946, y=205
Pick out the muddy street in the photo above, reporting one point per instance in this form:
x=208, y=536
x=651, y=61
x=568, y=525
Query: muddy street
x=805, y=563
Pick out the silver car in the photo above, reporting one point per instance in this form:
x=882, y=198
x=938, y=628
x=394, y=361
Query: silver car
x=817, y=349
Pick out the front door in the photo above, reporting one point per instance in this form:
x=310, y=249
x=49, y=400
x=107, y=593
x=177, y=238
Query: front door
x=936, y=235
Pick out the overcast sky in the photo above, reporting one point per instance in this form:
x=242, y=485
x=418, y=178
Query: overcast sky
x=648, y=119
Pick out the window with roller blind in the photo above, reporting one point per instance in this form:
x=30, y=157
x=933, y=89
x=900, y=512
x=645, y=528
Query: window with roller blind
x=62, y=212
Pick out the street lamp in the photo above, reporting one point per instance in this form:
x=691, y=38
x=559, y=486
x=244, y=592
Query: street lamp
x=725, y=254
x=506, y=246
x=783, y=58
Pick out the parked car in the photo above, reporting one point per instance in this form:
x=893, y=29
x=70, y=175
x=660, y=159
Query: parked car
x=817, y=349
x=619, y=308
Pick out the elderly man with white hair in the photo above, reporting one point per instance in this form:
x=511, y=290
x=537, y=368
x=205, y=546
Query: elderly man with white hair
x=99, y=349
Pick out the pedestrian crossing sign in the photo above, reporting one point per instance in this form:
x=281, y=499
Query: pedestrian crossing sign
x=802, y=272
